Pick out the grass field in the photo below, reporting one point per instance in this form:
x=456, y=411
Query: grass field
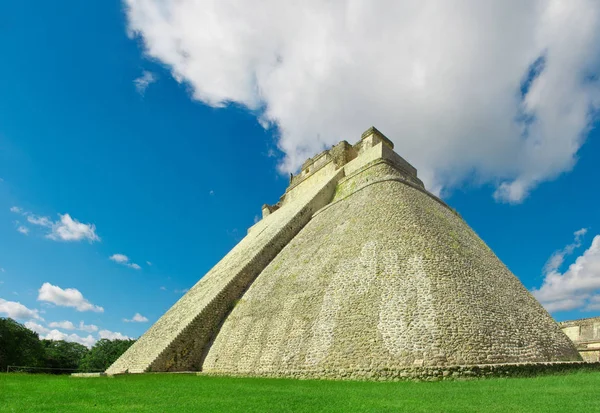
x=577, y=392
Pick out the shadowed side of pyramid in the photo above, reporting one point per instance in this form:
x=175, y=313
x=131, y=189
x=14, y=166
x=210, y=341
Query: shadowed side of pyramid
x=356, y=268
x=176, y=342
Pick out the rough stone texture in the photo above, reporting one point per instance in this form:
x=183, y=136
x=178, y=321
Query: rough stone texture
x=585, y=334
x=384, y=277
x=357, y=271
x=177, y=341
x=429, y=373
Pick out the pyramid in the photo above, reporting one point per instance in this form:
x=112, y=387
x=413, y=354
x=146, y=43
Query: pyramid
x=357, y=268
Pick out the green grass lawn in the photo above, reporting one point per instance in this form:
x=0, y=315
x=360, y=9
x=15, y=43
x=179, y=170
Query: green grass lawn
x=576, y=392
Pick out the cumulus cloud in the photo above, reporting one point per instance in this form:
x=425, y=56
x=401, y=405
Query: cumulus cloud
x=56, y=335
x=16, y=209
x=112, y=335
x=65, y=325
x=499, y=92
x=17, y=310
x=124, y=260
x=69, y=229
x=69, y=297
x=90, y=328
x=137, y=318
x=35, y=327
x=576, y=288
x=23, y=230
x=146, y=79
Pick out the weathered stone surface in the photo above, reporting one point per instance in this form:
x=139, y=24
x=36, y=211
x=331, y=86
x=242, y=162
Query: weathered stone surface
x=429, y=373
x=585, y=334
x=358, y=272
x=177, y=341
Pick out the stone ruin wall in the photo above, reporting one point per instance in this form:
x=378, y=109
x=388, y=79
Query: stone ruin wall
x=585, y=333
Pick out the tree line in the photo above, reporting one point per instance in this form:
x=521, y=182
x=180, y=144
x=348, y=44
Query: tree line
x=19, y=346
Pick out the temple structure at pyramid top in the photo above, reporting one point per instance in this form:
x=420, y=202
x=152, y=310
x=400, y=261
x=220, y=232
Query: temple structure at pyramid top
x=357, y=272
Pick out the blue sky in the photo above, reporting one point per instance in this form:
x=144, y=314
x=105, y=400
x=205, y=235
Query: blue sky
x=110, y=147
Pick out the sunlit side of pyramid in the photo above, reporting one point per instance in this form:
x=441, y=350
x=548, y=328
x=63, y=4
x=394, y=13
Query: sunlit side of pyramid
x=356, y=268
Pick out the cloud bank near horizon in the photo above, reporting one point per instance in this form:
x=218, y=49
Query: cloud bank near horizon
x=472, y=91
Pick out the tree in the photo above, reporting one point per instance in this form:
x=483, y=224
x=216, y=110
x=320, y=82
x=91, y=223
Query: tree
x=104, y=353
x=63, y=355
x=19, y=346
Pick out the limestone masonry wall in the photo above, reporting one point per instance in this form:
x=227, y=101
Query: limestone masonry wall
x=385, y=278
x=177, y=341
x=585, y=333
x=357, y=272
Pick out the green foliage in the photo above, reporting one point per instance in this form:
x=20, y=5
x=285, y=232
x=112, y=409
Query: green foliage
x=189, y=393
x=104, y=353
x=63, y=355
x=19, y=346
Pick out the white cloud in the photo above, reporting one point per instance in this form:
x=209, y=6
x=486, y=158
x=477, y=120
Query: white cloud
x=65, y=325
x=556, y=260
x=17, y=310
x=16, y=209
x=65, y=229
x=56, y=335
x=120, y=258
x=163, y=288
x=41, y=221
x=149, y=263
x=111, y=335
x=90, y=328
x=577, y=287
x=499, y=92
x=145, y=80
x=124, y=260
x=137, y=318
x=38, y=328
x=69, y=229
x=182, y=291
x=23, y=230
x=69, y=297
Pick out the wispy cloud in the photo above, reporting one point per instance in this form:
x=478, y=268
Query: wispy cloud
x=17, y=310
x=69, y=297
x=65, y=228
x=146, y=79
x=137, y=318
x=579, y=286
x=124, y=260
x=557, y=259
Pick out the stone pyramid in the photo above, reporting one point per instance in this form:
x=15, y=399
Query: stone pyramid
x=358, y=268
